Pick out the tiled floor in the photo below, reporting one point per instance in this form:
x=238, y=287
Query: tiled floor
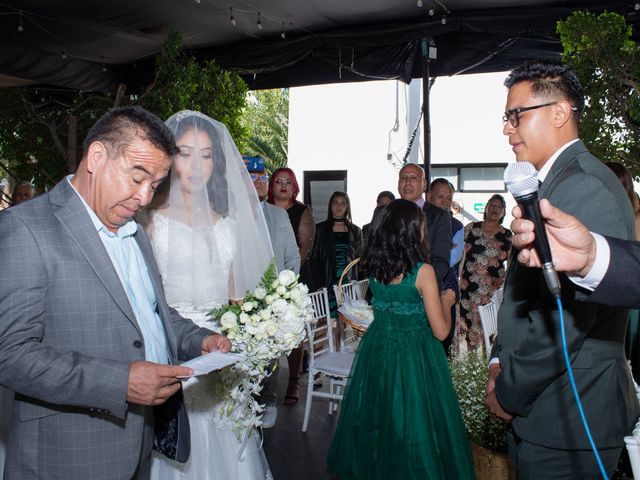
x=292, y=454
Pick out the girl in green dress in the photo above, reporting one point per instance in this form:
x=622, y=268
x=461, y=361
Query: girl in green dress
x=400, y=417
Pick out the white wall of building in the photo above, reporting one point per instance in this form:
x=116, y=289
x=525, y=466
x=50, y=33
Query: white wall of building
x=349, y=127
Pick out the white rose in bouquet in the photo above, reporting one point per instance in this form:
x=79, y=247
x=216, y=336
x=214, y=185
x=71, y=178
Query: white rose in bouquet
x=270, y=328
x=286, y=278
x=260, y=293
x=229, y=320
x=247, y=306
x=279, y=306
x=295, y=295
x=281, y=290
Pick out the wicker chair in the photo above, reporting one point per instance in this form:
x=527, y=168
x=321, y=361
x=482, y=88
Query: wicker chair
x=349, y=339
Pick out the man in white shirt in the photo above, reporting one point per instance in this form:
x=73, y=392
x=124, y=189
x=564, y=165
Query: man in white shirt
x=528, y=383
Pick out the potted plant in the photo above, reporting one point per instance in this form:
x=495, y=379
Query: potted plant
x=488, y=434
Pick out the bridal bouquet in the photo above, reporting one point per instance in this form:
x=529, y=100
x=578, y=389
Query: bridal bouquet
x=267, y=323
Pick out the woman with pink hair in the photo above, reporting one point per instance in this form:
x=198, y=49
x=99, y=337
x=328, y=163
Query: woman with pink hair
x=283, y=192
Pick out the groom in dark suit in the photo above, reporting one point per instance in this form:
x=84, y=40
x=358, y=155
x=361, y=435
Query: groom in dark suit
x=87, y=340
x=528, y=382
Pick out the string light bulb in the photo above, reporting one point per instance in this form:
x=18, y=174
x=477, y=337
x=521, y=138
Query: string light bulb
x=444, y=20
x=64, y=56
x=231, y=19
x=283, y=35
x=431, y=11
x=419, y=3
x=636, y=7
x=259, y=25
x=20, y=27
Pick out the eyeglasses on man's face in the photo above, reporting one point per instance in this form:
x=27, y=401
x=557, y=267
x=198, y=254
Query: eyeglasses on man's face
x=513, y=116
x=259, y=177
x=284, y=181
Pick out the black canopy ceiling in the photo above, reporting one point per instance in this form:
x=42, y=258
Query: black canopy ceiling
x=97, y=44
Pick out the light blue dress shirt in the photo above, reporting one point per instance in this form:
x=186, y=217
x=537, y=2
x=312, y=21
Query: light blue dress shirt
x=129, y=263
x=458, y=250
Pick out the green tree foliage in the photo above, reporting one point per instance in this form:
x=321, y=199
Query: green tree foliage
x=35, y=130
x=182, y=82
x=605, y=57
x=41, y=130
x=266, y=118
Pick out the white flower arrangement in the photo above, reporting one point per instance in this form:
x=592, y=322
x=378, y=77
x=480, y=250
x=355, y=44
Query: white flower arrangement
x=267, y=323
x=469, y=372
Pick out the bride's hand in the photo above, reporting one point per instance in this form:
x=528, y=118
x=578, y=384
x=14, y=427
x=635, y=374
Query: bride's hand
x=215, y=342
x=236, y=301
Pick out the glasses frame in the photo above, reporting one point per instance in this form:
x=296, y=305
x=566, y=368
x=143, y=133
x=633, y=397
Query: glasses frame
x=513, y=116
x=283, y=181
x=261, y=177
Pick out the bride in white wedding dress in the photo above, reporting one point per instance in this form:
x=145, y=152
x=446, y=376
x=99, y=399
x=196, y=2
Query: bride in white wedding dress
x=211, y=243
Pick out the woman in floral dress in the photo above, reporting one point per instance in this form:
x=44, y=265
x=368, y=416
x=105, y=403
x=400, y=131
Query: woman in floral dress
x=487, y=246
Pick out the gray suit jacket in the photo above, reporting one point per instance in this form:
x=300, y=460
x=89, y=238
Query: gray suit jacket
x=283, y=239
x=67, y=338
x=534, y=383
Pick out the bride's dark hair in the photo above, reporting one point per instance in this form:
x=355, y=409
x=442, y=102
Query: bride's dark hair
x=397, y=241
x=217, y=188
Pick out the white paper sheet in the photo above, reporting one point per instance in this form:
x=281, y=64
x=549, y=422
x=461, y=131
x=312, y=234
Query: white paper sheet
x=211, y=361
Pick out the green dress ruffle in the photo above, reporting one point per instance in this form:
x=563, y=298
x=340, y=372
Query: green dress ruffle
x=400, y=417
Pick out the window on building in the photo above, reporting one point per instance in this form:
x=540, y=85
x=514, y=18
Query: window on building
x=472, y=178
x=318, y=188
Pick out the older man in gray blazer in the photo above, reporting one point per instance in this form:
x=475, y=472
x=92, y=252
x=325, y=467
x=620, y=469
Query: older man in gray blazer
x=285, y=249
x=87, y=340
x=283, y=239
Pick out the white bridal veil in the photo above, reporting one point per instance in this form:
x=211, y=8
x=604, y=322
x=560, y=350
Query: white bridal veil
x=214, y=214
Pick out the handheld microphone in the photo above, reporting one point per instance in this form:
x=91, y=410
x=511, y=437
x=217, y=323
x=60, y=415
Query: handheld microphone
x=521, y=179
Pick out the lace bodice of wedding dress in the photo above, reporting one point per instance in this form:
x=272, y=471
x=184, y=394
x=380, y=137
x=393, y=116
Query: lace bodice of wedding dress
x=200, y=280
x=199, y=285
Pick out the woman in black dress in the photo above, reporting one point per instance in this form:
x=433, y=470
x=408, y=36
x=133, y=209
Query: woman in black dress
x=337, y=242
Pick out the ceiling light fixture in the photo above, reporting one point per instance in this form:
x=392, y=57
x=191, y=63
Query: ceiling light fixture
x=231, y=19
x=259, y=25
